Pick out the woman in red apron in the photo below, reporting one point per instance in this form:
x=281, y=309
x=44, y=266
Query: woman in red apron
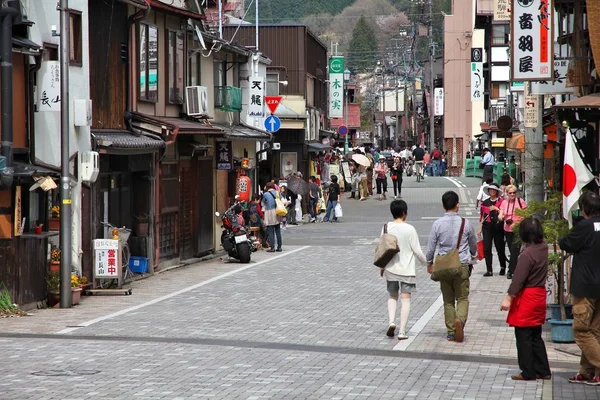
x=526, y=302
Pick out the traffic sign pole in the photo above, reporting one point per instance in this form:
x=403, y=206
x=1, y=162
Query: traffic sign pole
x=534, y=148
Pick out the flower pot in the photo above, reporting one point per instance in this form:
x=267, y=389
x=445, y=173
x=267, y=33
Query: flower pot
x=54, y=266
x=141, y=229
x=53, y=298
x=76, y=295
x=555, y=311
x=562, y=331
x=54, y=224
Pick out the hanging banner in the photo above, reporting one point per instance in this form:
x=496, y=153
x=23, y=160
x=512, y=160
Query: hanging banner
x=49, y=86
x=476, y=74
x=501, y=10
x=558, y=85
x=532, y=40
x=336, y=87
x=256, y=103
x=438, y=101
x=224, y=155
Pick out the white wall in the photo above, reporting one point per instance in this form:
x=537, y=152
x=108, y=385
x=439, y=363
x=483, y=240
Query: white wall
x=47, y=124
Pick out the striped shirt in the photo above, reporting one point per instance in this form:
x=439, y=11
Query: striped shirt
x=444, y=235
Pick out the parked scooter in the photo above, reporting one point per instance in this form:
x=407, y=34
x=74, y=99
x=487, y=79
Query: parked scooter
x=234, y=238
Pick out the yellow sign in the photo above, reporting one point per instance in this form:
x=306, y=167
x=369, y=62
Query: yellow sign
x=245, y=163
x=67, y=201
x=498, y=142
x=18, y=211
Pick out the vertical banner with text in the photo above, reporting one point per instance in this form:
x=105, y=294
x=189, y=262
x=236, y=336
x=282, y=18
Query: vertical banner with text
x=532, y=40
x=256, y=103
x=336, y=87
x=477, y=87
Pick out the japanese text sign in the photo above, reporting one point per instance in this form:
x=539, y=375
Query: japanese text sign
x=107, y=258
x=532, y=40
x=438, y=101
x=256, y=100
x=477, y=87
x=336, y=87
x=557, y=85
x=224, y=155
x=501, y=10
x=49, y=86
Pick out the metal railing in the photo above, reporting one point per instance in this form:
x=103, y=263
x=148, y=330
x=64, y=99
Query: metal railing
x=228, y=98
x=494, y=112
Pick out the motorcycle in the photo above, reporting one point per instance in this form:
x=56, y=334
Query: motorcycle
x=234, y=238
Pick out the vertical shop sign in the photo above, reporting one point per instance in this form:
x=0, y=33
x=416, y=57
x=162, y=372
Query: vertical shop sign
x=336, y=87
x=476, y=74
x=224, y=155
x=256, y=101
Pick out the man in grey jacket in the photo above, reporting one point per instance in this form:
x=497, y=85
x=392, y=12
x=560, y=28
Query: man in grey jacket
x=442, y=239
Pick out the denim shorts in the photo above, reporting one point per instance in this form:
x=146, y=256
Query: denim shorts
x=394, y=287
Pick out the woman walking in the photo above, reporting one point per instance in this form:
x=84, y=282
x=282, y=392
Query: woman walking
x=397, y=177
x=509, y=216
x=492, y=228
x=526, y=303
x=332, y=199
x=381, y=170
x=400, y=272
x=271, y=220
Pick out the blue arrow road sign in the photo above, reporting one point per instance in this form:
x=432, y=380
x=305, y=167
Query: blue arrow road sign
x=272, y=124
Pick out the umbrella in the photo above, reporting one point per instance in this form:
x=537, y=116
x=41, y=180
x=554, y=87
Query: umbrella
x=298, y=186
x=361, y=159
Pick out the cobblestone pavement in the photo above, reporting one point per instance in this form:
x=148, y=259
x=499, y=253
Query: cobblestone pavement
x=307, y=323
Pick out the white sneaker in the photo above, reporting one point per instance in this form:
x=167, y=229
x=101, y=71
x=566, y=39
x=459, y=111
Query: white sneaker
x=391, y=329
x=402, y=336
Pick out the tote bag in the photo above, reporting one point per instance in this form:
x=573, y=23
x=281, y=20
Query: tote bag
x=386, y=249
x=448, y=266
x=280, y=208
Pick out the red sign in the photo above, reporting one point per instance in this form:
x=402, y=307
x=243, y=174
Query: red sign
x=272, y=102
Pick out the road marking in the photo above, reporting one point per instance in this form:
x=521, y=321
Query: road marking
x=420, y=324
x=456, y=182
x=170, y=295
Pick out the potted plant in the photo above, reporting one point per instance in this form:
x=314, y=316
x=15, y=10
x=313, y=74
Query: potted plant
x=53, y=284
x=549, y=212
x=54, y=220
x=75, y=289
x=141, y=225
x=54, y=260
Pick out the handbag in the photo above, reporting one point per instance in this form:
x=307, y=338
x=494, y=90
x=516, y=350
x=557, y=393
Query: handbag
x=480, y=249
x=481, y=165
x=386, y=249
x=338, y=211
x=280, y=208
x=448, y=266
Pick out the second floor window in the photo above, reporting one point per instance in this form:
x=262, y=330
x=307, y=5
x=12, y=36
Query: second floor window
x=148, y=62
x=75, y=38
x=176, y=66
x=500, y=35
x=272, y=84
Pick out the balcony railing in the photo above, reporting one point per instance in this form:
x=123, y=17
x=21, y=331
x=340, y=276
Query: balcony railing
x=494, y=112
x=228, y=98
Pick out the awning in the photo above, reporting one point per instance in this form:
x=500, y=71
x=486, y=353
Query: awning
x=317, y=147
x=24, y=170
x=159, y=5
x=324, y=132
x=170, y=127
x=586, y=102
x=516, y=142
x=25, y=46
x=125, y=142
x=243, y=132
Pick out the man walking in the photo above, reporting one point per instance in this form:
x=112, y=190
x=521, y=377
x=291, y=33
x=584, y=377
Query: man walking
x=419, y=154
x=313, y=198
x=584, y=243
x=488, y=164
x=443, y=238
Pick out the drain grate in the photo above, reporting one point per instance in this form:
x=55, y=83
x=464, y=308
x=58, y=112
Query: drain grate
x=66, y=372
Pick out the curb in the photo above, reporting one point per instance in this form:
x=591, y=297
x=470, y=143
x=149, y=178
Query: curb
x=548, y=389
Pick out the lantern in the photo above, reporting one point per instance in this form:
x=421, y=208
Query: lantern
x=242, y=187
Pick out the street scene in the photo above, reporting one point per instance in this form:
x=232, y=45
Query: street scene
x=299, y=199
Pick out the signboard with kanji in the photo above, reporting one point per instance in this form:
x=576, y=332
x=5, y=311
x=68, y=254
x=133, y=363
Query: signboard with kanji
x=477, y=74
x=438, y=101
x=49, y=86
x=336, y=87
x=107, y=258
x=531, y=111
x=501, y=10
x=256, y=101
x=531, y=40
x=557, y=85
x=224, y=155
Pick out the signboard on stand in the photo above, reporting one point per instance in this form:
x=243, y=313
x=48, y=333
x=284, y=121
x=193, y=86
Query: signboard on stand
x=107, y=258
x=477, y=84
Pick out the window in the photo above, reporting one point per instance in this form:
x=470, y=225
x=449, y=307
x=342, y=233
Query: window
x=175, y=72
x=273, y=84
x=50, y=52
x=500, y=35
x=148, y=62
x=75, y=38
x=220, y=73
x=499, y=91
x=194, y=69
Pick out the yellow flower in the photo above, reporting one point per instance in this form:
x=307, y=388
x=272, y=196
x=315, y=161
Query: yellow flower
x=55, y=210
x=74, y=280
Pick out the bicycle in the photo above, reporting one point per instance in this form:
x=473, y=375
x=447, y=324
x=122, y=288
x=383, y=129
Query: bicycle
x=122, y=234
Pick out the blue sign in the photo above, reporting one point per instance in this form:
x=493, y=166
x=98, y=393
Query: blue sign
x=272, y=124
x=343, y=130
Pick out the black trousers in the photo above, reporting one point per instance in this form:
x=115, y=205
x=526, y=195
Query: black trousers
x=488, y=172
x=531, y=351
x=494, y=233
x=514, y=249
x=397, y=186
x=381, y=183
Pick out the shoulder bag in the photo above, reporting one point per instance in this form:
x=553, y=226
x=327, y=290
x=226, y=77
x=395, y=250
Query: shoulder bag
x=448, y=266
x=280, y=208
x=386, y=249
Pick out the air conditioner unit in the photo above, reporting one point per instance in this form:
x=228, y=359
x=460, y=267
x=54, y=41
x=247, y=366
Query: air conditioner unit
x=196, y=100
x=90, y=166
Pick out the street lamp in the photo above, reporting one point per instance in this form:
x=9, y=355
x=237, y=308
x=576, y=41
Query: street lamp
x=346, y=81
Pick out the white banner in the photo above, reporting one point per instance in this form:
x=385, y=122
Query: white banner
x=49, y=86
x=532, y=40
x=556, y=86
x=257, y=95
x=477, y=74
x=336, y=87
x=501, y=10
x=438, y=101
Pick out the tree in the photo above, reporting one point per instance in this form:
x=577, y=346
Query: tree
x=363, y=46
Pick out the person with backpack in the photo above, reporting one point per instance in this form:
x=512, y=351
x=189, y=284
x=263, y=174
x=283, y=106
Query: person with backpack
x=510, y=218
x=333, y=199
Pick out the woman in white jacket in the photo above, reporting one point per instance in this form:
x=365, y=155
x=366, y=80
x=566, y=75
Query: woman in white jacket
x=400, y=272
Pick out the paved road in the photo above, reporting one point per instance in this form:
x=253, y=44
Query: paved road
x=308, y=323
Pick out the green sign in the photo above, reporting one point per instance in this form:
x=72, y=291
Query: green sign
x=336, y=65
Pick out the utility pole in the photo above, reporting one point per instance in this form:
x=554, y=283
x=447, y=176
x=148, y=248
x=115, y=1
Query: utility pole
x=406, y=114
x=396, y=130
x=414, y=110
x=431, y=79
x=534, y=154
x=66, y=211
x=384, y=130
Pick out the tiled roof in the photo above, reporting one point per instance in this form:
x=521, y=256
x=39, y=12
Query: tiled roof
x=125, y=140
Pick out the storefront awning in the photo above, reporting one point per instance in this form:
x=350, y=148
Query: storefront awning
x=243, y=132
x=516, y=142
x=25, y=46
x=317, y=147
x=24, y=170
x=586, y=102
x=125, y=142
x=169, y=127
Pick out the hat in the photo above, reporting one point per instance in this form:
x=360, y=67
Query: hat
x=382, y=157
x=492, y=186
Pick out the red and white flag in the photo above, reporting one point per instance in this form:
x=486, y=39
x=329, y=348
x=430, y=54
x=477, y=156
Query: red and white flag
x=575, y=176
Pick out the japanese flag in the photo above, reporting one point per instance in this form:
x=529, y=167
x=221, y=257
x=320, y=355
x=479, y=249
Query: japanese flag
x=575, y=176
